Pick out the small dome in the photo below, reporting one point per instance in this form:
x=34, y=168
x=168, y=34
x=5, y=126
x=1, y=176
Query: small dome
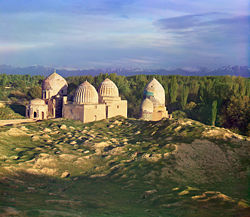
x=86, y=94
x=147, y=105
x=155, y=89
x=37, y=102
x=55, y=83
x=108, y=88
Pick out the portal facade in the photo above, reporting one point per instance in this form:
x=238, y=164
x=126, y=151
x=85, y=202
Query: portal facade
x=37, y=109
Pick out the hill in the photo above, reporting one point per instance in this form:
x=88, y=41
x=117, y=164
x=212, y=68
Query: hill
x=123, y=167
x=243, y=71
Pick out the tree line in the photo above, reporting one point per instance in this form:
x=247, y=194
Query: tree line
x=216, y=100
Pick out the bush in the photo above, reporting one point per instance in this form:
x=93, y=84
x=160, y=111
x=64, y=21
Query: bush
x=179, y=114
x=34, y=92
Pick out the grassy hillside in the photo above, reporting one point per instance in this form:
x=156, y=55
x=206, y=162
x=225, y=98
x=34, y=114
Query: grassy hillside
x=8, y=113
x=123, y=167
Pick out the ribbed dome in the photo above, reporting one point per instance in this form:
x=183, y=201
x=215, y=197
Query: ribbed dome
x=37, y=102
x=108, y=88
x=54, y=83
x=147, y=105
x=86, y=94
x=155, y=89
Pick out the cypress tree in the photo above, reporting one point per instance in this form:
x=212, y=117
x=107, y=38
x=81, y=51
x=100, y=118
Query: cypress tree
x=184, y=96
x=213, y=112
x=173, y=90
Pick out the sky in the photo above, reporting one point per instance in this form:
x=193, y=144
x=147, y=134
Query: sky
x=124, y=33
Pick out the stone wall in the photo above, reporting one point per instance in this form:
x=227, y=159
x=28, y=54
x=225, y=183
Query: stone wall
x=117, y=108
x=71, y=111
x=85, y=113
x=94, y=112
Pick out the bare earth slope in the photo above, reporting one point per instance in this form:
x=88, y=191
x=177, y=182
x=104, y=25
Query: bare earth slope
x=123, y=167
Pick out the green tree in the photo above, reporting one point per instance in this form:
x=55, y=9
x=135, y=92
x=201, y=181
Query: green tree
x=173, y=90
x=34, y=92
x=213, y=112
x=5, y=80
x=235, y=114
x=184, y=96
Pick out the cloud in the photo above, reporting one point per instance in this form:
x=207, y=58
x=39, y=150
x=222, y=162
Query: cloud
x=14, y=47
x=96, y=7
x=211, y=38
x=202, y=20
x=212, y=28
x=65, y=30
x=184, y=22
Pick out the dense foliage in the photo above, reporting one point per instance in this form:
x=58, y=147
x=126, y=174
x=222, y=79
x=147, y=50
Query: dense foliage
x=219, y=100
x=20, y=88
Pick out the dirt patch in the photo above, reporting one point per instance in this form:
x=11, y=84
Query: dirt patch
x=46, y=161
x=220, y=133
x=199, y=161
x=14, y=132
x=67, y=157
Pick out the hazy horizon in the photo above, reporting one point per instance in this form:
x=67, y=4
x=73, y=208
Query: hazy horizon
x=129, y=33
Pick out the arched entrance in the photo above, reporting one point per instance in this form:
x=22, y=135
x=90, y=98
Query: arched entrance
x=35, y=115
x=42, y=115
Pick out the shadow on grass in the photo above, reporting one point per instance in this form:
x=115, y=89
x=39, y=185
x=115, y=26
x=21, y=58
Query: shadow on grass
x=39, y=195
x=17, y=108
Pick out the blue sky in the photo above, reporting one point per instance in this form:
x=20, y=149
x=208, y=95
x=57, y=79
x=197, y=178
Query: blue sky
x=124, y=33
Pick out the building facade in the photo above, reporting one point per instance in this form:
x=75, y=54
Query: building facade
x=37, y=109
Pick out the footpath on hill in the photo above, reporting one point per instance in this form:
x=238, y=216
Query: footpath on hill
x=15, y=121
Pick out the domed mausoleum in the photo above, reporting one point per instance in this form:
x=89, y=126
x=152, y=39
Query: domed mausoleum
x=88, y=105
x=54, y=88
x=85, y=106
x=153, y=105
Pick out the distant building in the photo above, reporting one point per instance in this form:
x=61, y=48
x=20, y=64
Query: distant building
x=153, y=105
x=87, y=105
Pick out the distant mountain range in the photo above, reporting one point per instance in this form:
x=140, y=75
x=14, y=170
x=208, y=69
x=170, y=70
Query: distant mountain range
x=243, y=71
